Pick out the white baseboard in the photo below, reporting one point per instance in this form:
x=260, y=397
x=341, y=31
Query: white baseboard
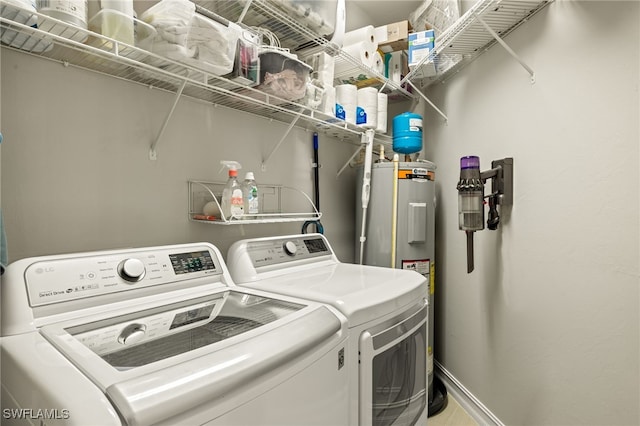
x=466, y=399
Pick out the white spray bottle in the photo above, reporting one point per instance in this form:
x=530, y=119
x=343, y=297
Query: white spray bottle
x=232, y=199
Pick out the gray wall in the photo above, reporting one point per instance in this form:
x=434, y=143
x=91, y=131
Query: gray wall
x=545, y=331
x=76, y=175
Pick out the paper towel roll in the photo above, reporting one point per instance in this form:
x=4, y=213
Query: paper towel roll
x=346, y=102
x=359, y=52
x=378, y=63
x=361, y=45
x=367, y=111
x=383, y=100
x=365, y=34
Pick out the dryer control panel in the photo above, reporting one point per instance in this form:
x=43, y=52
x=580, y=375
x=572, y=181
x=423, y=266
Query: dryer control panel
x=287, y=249
x=61, y=279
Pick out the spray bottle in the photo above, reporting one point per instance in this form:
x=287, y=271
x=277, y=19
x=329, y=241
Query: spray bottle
x=232, y=200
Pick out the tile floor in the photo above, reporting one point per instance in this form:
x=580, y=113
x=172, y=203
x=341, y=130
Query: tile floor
x=452, y=415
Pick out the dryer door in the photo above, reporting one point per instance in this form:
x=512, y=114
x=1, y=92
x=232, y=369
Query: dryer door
x=393, y=372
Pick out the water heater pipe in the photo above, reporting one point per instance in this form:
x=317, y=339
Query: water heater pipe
x=394, y=211
x=367, y=139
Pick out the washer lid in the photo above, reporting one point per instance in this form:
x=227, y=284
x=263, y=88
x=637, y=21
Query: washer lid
x=361, y=292
x=158, y=363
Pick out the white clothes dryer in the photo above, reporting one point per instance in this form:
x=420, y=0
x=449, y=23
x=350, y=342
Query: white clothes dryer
x=386, y=310
x=161, y=336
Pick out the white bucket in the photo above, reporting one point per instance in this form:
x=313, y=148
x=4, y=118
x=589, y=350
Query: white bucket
x=73, y=12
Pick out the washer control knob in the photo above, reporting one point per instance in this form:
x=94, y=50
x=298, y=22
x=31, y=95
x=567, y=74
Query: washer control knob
x=290, y=248
x=132, y=333
x=131, y=270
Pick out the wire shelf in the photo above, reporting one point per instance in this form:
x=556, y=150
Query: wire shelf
x=72, y=46
x=81, y=48
x=272, y=199
x=292, y=33
x=468, y=38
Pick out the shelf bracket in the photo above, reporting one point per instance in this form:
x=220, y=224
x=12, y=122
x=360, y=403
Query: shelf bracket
x=349, y=161
x=507, y=48
x=244, y=11
x=422, y=95
x=153, y=155
x=275, y=148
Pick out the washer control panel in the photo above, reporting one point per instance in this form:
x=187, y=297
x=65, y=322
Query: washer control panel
x=116, y=334
x=280, y=251
x=54, y=280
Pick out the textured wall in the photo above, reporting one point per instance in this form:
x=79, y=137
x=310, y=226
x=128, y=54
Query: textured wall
x=545, y=331
x=76, y=173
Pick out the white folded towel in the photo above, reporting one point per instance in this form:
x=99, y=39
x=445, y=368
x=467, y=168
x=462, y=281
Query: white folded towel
x=185, y=36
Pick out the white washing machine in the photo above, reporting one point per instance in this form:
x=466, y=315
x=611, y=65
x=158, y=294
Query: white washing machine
x=162, y=336
x=386, y=310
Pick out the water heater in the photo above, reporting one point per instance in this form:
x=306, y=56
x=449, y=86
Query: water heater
x=400, y=226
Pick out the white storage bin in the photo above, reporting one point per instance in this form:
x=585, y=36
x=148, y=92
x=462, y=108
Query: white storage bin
x=246, y=67
x=317, y=15
x=282, y=74
x=188, y=37
x=113, y=24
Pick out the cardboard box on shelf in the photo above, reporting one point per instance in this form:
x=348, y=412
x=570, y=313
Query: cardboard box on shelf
x=421, y=44
x=393, y=37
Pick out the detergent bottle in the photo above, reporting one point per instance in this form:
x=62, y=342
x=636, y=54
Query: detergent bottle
x=232, y=199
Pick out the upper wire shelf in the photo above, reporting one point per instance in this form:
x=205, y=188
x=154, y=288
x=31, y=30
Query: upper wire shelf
x=61, y=42
x=291, y=33
x=469, y=36
x=294, y=35
x=77, y=47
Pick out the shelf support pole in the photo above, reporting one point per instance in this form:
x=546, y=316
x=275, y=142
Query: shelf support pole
x=153, y=155
x=422, y=95
x=507, y=48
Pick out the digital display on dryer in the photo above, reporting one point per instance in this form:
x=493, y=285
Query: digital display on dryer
x=184, y=263
x=316, y=245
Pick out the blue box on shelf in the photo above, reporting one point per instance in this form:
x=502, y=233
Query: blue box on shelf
x=421, y=43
